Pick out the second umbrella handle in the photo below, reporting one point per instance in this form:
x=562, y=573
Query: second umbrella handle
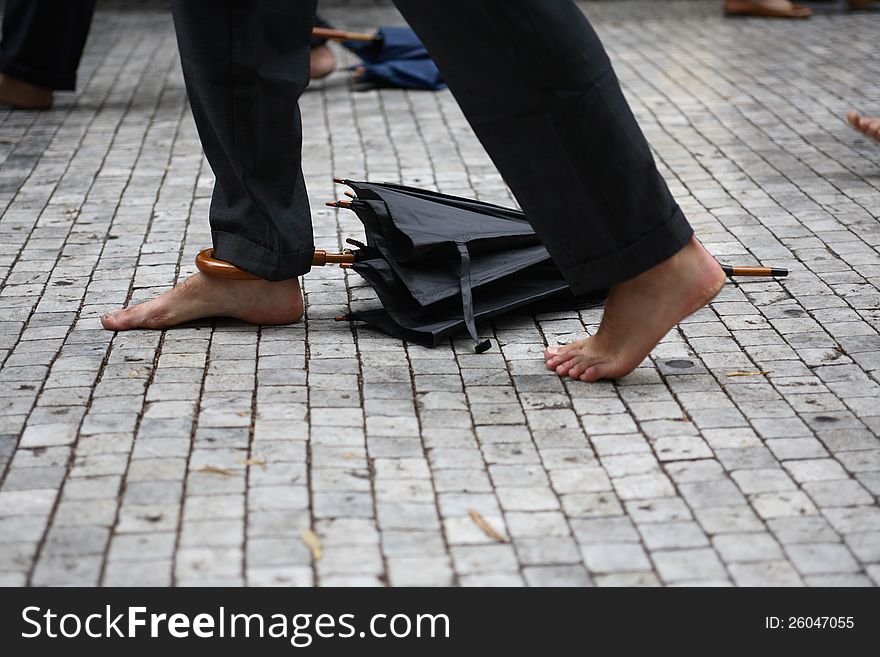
x=341, y=35
x=733, y=270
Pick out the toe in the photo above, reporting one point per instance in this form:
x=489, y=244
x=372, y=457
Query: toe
x=562, y=370
x=592, y=374
x=560, y=350
x=556, y=354
x=115, y=321
x=609, y=369
x=150, y=315
x=853, y=118
x=562, y=357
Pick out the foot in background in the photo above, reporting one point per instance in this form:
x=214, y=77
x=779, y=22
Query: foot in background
x=869, y=125
x=19, y=94
x=323, y=62
x=766, y=9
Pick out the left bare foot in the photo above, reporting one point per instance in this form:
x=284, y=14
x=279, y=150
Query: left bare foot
x=255, y=302
x=638, y=313
x=869, y=125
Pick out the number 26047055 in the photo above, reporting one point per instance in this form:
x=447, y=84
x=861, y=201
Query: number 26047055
x=809, y=622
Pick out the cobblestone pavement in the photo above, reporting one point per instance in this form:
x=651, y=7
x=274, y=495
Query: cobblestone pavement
x=200, y=455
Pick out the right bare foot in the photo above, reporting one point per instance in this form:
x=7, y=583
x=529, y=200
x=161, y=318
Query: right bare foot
x=200, y=296
x=870, y=125
x=19, y=94
x=638, y=313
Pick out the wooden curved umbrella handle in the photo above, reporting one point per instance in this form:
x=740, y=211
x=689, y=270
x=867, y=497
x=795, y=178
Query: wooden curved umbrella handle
x=208, y=264
x=341, y=35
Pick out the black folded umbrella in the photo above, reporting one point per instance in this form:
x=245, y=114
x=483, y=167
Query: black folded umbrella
x=439, y=263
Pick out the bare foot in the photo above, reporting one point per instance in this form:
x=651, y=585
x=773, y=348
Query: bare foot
x=256, y=302
x=323, y=62
x=870, y=125
x=19, y=94
x=638, y=313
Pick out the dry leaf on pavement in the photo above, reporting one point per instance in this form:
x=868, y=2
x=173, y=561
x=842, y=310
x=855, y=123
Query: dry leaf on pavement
x=259, y=462
x=488, y=529
x=312, y=542
x=213, y=469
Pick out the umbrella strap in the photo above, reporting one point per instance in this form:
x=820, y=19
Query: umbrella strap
x=467, y=298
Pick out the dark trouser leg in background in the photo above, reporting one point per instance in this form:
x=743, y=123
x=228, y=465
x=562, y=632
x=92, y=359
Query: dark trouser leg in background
x=246, y=65
x=536, y=85
x=43, y=40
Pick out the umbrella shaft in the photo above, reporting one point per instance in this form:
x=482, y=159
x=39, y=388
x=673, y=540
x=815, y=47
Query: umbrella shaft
x=322, y=258
x=754, y=271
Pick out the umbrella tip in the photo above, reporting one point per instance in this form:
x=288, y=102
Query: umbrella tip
x=341, y=318
x=345, y=265
x=340, y=181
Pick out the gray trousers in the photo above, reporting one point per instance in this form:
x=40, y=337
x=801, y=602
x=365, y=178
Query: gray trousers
x=532, y=79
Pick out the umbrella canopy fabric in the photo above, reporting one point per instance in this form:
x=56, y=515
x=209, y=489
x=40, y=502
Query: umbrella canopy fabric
x=389, y=43
x=419, y=223
x=396, y=57
x=537, y=289
x=418, y=74
x=440, y=263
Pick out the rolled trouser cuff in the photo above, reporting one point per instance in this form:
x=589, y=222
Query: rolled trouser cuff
x=628, y=261
x=259, y=260
x=45, y=79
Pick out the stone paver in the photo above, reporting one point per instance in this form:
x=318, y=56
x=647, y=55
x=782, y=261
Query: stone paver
x=202, y=455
